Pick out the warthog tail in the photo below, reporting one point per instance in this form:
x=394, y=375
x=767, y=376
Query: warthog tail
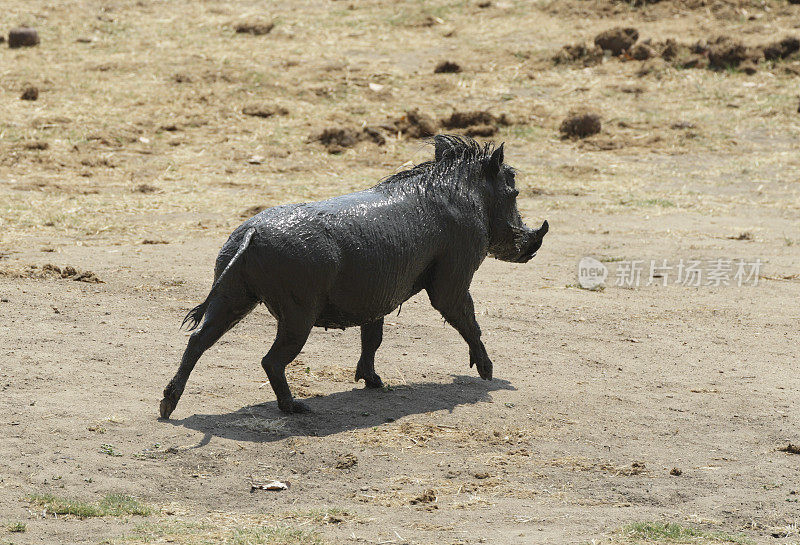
x=194, y=316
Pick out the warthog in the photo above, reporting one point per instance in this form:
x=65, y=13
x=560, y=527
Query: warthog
x=351, y=260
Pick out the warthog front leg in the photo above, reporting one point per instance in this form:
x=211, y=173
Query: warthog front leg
x=371, y=337
x=458, y=310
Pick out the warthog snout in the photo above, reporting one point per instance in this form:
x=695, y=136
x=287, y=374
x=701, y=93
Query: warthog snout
x=528, y=241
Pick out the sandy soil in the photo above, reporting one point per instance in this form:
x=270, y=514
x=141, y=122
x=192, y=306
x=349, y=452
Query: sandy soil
x=600, y=397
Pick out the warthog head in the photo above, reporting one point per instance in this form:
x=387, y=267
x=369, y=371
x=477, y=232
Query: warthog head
x=510, y=239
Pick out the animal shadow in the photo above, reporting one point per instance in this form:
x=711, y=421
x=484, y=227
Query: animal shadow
x=343, y=411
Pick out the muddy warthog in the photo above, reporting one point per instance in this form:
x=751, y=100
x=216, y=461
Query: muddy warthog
x=351, y=260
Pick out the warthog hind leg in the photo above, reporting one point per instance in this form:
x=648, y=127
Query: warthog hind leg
x=222, y=314
x=371, y=337
x=292, y=335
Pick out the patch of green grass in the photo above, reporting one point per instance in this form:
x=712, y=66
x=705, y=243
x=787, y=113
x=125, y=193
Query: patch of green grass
x=664, y=203
x=193, y=533
x=17, y=527
x=272, y=535
x=113, y=505
x=324, y=515
x=110, y=450
x=524, y=132
x=121, y=504
x=168, y=531
x=657, y=532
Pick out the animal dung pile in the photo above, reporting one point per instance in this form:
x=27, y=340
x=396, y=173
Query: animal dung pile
x=447, y=67
x=338, y=139
x=256, y=27
x=476, y=123
x=720, y=53
x=642, y=52
x=52, y=271
x=29, y=93
x=588, y=55
x=23, y=37
x=264, y=110
x=617, y=40
x=252, y=211
x=346, y=461
x=428, y=496
x=782, y=49
x=414, y=123
x=580, y=124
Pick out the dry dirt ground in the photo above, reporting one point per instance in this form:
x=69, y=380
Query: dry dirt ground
x=137, y=159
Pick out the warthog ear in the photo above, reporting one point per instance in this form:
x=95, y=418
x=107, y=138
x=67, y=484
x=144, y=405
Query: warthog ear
x=443, y=146
x=495, y=161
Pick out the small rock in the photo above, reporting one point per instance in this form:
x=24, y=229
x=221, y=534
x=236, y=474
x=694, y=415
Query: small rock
x=676, y=471
x=23, y=37
x=447, y=67
x=580, y=124
x=617, y=40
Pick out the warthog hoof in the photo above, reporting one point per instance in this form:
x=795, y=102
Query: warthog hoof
x=371, y=381
x=483, y=363
x=293, y=407
x=167, y=406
